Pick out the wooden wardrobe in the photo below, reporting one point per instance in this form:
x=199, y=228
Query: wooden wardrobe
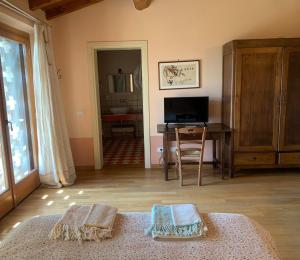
x=261, y=102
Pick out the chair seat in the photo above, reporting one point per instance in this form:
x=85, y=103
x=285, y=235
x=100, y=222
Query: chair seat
x=191, y=142
x=189, y=152
x=190, y=159
x=191, y=149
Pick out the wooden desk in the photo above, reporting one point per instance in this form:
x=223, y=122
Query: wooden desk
x=215, y=132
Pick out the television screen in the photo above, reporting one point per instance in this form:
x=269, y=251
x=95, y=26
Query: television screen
x=186, y=110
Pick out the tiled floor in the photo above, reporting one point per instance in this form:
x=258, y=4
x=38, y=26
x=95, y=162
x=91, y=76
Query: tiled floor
x=123, y=151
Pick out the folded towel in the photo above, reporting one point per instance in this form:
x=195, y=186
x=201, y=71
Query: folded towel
x=94, y=222
x=181, y=221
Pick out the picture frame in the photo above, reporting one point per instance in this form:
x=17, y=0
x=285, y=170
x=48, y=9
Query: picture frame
x=183, y=74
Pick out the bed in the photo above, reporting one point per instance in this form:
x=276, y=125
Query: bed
x=230, y=236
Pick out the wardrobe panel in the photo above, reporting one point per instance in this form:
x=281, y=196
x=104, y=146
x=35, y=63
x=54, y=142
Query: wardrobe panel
x=257, y=98
x=227, y=89
x=290, y=102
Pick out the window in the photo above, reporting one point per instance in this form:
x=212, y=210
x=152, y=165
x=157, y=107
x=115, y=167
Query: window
x=13, y=71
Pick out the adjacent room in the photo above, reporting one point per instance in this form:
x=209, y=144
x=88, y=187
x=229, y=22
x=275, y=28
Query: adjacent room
x=121, y=103
x=149, y=129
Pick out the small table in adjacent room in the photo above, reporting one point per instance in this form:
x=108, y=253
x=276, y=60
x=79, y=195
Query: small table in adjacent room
x=121, y=118
x=215, y=132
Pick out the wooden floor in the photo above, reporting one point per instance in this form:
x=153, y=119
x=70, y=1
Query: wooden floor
x=272, y=198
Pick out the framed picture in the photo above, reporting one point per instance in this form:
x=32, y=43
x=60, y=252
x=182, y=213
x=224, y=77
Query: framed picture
x=179, y=74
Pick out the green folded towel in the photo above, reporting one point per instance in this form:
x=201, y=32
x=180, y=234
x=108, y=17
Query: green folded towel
x=180, y=221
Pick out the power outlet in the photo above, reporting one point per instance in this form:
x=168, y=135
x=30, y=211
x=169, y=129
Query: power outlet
x=160, y=149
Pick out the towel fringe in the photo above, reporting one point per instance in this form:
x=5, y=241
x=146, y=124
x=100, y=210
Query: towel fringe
x=195, y=229
x=65, y=232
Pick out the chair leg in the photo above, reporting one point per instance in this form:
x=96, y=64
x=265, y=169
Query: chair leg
x=176, y=168
x=180, y=173
x=200, y=174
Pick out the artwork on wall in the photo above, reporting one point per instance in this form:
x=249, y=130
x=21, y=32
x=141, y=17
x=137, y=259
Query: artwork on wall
x=179, y=74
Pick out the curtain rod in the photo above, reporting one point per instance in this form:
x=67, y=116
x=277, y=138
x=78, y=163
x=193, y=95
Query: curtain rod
x=18, y=10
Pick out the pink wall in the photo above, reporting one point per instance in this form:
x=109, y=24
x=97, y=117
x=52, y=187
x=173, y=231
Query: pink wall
x=174, y=29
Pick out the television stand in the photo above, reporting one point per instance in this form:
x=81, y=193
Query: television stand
x=200, y=124
x=195, y=125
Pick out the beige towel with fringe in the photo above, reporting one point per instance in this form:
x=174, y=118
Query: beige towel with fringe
x=94, y=222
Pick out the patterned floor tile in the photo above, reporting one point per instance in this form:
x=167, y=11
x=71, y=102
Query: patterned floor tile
x=125, y=151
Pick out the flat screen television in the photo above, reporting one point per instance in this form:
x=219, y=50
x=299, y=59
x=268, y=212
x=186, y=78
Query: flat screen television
x=186, y=110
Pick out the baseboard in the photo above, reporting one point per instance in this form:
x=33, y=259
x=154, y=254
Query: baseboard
x=156, y=166
x=82, y=168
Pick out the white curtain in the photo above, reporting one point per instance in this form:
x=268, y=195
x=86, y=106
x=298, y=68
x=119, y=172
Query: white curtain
x=56, y=167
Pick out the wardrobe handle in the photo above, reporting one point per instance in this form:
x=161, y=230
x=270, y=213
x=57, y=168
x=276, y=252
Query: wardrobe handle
x=284, y=99
x=9, y=124
x=278, y=101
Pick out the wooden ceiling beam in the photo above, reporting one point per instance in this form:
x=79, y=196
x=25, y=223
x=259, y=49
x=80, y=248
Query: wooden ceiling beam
x=141, y=4
x=40, y=4
x=67, y=6
x=54, y=8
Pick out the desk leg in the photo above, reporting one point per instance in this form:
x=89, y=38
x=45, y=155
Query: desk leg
x=230, y=170
x=215, y=161
x=165, y=156
x=222, y=150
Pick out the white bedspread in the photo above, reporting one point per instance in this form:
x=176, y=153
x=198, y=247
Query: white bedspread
x=230, y=236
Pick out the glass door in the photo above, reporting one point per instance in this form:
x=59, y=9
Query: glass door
x=6, y=194
x=17, y=130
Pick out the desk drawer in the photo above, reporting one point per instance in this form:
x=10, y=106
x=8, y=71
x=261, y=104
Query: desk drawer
x=254, y=158
x=289, y=158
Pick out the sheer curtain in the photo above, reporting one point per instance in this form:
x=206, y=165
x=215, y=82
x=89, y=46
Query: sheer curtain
x=55, y=160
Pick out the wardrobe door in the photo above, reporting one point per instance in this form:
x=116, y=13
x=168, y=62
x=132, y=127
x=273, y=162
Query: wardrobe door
x=290, y=102
x=258, y=75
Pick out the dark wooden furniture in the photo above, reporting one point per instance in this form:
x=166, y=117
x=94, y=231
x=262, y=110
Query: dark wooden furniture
x=122, y=117
x=215, y=132
x=261, y=102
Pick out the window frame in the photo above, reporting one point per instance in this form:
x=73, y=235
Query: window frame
x=25, y=186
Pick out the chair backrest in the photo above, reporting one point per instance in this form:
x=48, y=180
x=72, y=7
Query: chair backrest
x=190, y=136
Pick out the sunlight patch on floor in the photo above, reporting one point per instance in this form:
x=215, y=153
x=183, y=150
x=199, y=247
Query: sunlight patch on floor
x=45, y=197
x=17, y=224
x=50, y=203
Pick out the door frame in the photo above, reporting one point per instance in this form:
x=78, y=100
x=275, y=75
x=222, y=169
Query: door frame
x=93, y=47
x=24, y=187
x=7, y=197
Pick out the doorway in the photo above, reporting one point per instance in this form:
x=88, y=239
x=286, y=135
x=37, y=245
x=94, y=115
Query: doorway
x=18, y=173
x=93, y=49
x=121, y=106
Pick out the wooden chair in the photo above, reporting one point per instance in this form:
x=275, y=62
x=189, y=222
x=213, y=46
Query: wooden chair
x=189, y=149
